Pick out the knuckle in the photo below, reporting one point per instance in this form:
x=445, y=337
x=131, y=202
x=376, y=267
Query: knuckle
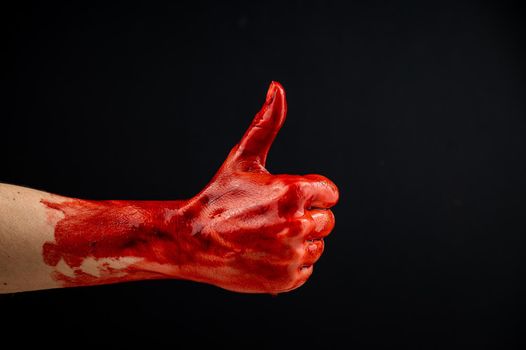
x=290, y=202
x=316, y=177
x=325, y=181
x=298, y=253
x=304, y=225
x=293, y=188
x=285, y=252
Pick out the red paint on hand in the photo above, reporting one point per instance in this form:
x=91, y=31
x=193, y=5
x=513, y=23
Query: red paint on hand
x=246, y=231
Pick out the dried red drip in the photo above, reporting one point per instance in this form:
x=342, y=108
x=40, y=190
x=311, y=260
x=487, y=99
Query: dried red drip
x=247, y=231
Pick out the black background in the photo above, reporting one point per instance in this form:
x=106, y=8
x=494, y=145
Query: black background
x=416, y=112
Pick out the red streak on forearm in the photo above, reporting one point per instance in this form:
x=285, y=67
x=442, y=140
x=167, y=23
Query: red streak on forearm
x=110, y=229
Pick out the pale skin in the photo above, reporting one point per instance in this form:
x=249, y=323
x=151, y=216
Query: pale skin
x=24, y=228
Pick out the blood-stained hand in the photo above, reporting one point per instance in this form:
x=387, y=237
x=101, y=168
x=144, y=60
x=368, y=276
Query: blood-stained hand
x=246, y=231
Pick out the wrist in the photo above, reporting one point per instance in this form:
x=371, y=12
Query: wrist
x=98, y=242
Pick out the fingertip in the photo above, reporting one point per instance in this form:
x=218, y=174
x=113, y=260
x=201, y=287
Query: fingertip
x=326, y=192
x=324, y=222
x=277, y=106
x=257, y=140
x=335, y=192
x=313, y=252
x=274, y=89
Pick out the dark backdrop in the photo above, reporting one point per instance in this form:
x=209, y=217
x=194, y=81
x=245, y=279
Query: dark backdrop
x=416, y=111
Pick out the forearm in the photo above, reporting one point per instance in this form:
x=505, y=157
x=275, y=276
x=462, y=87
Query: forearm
x=49, y=241
x=24, y=228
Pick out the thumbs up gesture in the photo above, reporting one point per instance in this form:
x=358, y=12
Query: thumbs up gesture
x=246, y=231
x=258, y=232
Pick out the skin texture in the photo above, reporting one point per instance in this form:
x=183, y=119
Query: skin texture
x=246, y=231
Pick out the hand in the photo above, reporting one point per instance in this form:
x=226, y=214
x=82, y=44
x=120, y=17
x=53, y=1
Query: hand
x=263, y=232
x=246, y=231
